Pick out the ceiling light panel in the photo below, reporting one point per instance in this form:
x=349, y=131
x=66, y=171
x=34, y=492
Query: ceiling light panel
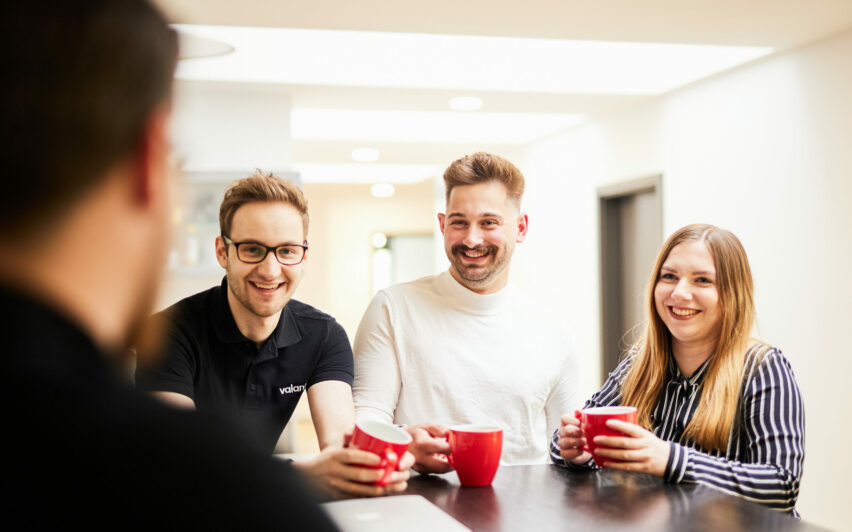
x=465, y=103
x=426, y=126
x=382, y=190
x=365, y=155
x=471, y=63
x=359, y=173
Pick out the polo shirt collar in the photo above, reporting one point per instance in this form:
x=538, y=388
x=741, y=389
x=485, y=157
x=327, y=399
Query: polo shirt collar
x=286, y=333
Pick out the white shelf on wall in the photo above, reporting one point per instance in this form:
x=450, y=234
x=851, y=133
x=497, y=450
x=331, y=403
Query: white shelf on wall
x=197, y=220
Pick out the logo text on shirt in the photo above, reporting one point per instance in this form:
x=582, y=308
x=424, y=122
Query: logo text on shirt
x=292, y=388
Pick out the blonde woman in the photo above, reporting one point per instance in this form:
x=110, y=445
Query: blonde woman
x=715, y=406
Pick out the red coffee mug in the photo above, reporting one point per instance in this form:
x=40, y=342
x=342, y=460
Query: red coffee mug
x=475, y=453
x=386, y=441
x=593, y=423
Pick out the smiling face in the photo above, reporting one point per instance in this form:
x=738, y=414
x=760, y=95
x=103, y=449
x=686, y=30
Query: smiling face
x=259, y=291
x=481, y=227
x=686, y=296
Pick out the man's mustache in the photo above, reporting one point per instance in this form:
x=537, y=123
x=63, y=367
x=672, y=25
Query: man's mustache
x=461, y=248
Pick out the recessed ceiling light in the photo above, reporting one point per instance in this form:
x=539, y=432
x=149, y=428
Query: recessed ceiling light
x=382, y=190
x=193, y=46
x=366, y=173
x=379, y=240
x=465, y=103
x=374, y=125
x=365, y=155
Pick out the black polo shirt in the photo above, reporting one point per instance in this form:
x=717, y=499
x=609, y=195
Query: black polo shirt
x=208, y=359
x=83, y=450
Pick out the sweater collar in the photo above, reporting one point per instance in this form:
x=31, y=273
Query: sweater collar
x=468, y=299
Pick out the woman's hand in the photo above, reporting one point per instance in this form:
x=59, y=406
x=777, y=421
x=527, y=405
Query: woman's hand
x=571, y=441
x=638, y=450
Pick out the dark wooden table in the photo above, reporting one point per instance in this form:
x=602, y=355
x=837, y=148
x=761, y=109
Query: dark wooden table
x=547, y=497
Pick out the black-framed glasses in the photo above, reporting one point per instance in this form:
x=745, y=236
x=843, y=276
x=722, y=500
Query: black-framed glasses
x=253, y=252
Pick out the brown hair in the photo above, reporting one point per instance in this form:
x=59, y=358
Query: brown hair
x=261, y=187
x=76, y=99
x=716, y=413
x=482, y=167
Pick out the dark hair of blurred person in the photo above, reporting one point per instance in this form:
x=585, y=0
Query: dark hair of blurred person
x=85, y=212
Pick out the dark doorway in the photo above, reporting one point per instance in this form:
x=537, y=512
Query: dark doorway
x=631, y=231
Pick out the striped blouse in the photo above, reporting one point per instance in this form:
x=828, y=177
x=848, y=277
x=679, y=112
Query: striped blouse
x=763, y=461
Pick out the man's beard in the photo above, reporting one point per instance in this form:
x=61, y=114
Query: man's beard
x=478, y=275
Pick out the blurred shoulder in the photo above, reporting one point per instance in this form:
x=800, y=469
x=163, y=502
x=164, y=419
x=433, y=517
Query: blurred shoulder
x=190, y=307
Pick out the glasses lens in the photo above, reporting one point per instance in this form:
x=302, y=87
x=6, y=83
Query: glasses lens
x=251, y=252
x=290, y=254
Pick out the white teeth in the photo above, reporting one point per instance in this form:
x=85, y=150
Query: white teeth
x=684, y=311
x=265, y=286
x=474, y=254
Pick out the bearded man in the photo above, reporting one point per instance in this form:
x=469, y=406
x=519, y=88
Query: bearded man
x=465, y=346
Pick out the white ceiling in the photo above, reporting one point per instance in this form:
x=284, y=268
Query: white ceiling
x=778, y=24
x=458, y=62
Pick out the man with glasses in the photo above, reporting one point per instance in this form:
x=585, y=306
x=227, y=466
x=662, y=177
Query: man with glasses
x=246, y=348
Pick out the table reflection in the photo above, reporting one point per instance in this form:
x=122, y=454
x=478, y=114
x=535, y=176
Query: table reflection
x=546, y=497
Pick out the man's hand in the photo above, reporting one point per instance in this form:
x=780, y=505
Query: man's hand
x=341, y=472
x=430, y=448
x=571, y=441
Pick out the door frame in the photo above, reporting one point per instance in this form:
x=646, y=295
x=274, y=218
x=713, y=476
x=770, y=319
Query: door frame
x=610, y=263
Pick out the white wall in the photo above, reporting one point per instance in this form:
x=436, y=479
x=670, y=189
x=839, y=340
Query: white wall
x=338, y=275
x=764, y=151
x=229, y=126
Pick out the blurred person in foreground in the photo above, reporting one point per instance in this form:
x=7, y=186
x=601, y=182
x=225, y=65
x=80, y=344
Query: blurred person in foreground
x=248, y=350
x=466, y=346
x=715, y=406
x=85, y=214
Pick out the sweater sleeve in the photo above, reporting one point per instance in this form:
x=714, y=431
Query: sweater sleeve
x=377, y=378
x=774, y=428
x=563, y=397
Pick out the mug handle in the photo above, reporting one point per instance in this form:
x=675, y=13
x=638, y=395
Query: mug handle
x=388, y=463
x=449, y=454
x=579, y=416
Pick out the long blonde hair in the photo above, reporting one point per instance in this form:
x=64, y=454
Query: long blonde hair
x=716, y=412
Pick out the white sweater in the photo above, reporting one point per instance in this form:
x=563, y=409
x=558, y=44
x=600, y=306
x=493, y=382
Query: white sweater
x=433, y=351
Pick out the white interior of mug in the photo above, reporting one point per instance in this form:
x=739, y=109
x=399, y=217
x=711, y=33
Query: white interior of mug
x=475, y=428
x=384, y=432
x=608, y=410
